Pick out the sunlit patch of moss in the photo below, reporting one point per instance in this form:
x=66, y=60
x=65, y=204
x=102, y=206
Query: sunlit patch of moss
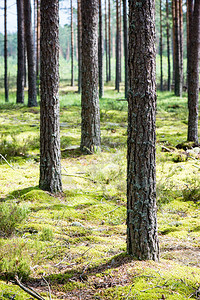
x=10, y=291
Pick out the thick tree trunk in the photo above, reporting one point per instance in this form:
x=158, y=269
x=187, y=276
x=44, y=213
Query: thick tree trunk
x=117, y=76
x=193, y=70
x=5, y=53
x=168, y=47
x=90, y=126
x=100, y=52
x=72, y=47
x=20, y=52
x=50, y=166
x=125, y=47
x=161, y=47
x=109, y=42
x=142, y=239
x=32, y=92
x=79, y=45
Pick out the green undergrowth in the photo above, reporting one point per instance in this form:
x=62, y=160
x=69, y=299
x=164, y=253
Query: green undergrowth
x=77, y=240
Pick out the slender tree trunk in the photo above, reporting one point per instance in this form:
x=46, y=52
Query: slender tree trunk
x=20, y=52
x=79, y=45
x=193, y=70
x=90, y=126
x=168, y=47
x=120, y=41
x=117, y=76
x=142, y=238
x=181, y=44
x=50, y=165
x=106, y=42
x=72, y=47
x=125, y=47
x=32, y=92
x=173, y=40
x=177, y=51
x=109, y=42
x=5, y=53
x=100, y=52
x=161, y=46
x=38, y=48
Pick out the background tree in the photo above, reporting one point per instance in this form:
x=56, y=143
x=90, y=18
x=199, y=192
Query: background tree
x=100, y=52
x=168, y=47
x=193, y=68
x=32, y=93
x=20, y=52
x=5, y=52
x=90, y=125
x=117, y=74
x=79, y=44
x=125, y=47
x=72, y=47
x=142, y=239
x=109, y=41
x=178, y=39
x=106, y=42
x=50, y=165
x=161, y=49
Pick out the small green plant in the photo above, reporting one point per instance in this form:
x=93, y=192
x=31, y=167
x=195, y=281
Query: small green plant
x=47, y=234
x=11, y=215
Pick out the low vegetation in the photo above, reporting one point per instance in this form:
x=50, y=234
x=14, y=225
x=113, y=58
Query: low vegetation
x=74, y=245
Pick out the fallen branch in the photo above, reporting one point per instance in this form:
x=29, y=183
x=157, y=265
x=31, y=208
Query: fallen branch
x=73, y=175
x=6, y=161
x=48, y=287
x=28, y=290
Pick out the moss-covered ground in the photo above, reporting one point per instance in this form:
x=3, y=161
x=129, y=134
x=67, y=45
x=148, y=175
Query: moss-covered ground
x=77, y=242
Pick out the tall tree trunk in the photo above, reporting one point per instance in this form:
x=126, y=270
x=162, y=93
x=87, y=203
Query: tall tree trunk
x=181, y=43
x=109, y=42
x=32, y=93
x=120, y=41
x=117, y=76
x=161, y=47
x=142, y=238
x=38, y=47
x=125, y=47
x=173, y=40
x=90, y=126
x=168, y=47
x=106, y=41
x=177, y=51
x=79, y=45
x=100, y=52
x=20, y=52
x=50, y=165
x=5, y=53
x=193, y=69
x=72, y=47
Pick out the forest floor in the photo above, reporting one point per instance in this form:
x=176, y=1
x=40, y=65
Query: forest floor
x=74, y=246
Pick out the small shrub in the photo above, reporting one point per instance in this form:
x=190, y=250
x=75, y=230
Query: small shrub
x=11, y=215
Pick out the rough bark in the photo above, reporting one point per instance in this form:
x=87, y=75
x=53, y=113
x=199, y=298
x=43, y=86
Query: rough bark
x=193, y=69
x=100, y=52
x=142, y=239
x=38, y=43
x=125, y=47
x=161, y=49
x=168, y=47
x=20, y=52
x=72, y=47
x=5, y=53
x=90, y=125
x=50, y=166
x=32, y=92
x=79, y=45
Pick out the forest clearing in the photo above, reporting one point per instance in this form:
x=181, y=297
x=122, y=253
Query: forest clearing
x=77, y=242
x=99, y=150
